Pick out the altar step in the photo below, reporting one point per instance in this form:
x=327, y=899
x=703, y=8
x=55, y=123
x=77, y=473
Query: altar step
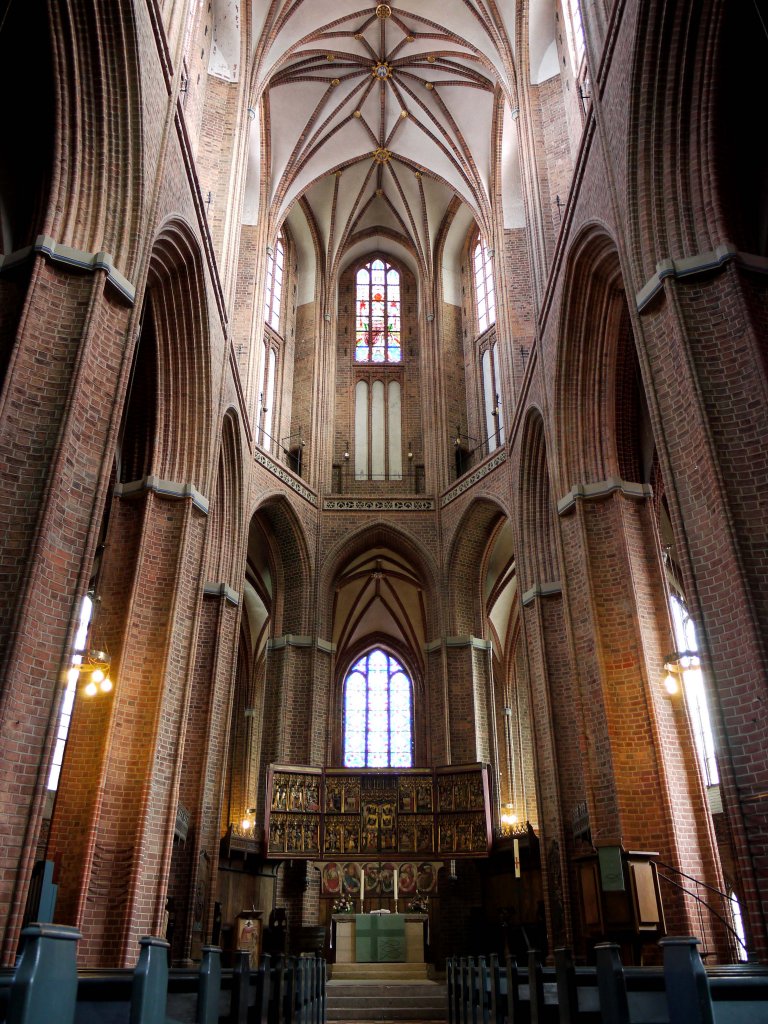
x=395, y=972
x=386, y=1000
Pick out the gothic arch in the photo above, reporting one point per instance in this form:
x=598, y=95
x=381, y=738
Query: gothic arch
x=539, y=563
x=176, y=293
x=225, y=529
x=594, y=314
x=96, y=195
x=464, y=565
x=674, y=151
x=373, y=535
x=291, y=595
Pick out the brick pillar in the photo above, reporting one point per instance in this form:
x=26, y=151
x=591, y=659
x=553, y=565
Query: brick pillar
x=116, y=809
x=642, y=781
x=59, y=411
x=202, y=782
x=470, y=700
x=704, y=339
x=556, y=733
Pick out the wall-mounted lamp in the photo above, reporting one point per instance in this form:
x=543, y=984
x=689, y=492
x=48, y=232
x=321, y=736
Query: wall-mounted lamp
x=410, y=451
x=497, y=407
x=247, y=824
x=674, y=665
x=346, y=451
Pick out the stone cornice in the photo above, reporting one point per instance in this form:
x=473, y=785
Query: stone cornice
x=222, y=590
x=163, y=488
x=600, y=490
x=690, y=266
x=472, y=479
x=287, y=478
x=541, y=590
x=76, y=259
x=379, y=504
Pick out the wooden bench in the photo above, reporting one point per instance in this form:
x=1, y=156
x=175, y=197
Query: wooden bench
x=46, y=988
x=480, y=991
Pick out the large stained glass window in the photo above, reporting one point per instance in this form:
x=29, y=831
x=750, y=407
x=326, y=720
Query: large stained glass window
x=377, y=323
x=378, y=716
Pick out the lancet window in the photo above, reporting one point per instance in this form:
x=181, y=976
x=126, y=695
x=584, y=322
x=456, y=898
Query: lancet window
x=485, y=295
x=378, y=713
x=377, y=320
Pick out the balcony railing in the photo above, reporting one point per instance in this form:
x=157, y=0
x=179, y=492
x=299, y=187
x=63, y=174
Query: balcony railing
x=347, y=481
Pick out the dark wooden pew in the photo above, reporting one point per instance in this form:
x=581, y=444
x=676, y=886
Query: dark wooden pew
x=46, y=988
x=680, y=992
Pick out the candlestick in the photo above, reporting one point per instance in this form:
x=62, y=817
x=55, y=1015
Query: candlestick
x=362, y=888
x=395, y=880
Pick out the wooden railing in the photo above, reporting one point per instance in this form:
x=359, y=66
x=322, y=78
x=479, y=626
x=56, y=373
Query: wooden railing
x=46, y=987
x=683, y=991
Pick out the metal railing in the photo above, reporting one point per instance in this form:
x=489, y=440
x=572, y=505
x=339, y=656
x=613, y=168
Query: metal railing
x=469, y=452
x=708, y=901
x=346, y=481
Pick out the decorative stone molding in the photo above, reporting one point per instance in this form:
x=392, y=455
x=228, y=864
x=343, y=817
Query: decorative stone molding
x=277, y=643
x=379, y=504
x=541, y=590
x=700, y=263
x=471, y=480
x=476, y=642
x=222, y=590
x=163, y=488
x=600, y=490
x=269, y=463
x=74, y=258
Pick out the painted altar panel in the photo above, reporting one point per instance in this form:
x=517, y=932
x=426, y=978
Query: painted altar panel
x=373, y=815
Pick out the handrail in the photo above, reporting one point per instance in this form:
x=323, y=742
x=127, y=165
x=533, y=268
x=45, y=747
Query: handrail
x=703, y=902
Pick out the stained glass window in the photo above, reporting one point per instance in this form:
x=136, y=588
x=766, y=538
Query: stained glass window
x=378, y=730
x=377, y=320
x=273, y=286
x=485, y=296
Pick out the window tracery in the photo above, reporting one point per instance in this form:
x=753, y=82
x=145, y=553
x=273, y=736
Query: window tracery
x=377, y=321
x=378, y=713
x=273, y=287
x=485, y=295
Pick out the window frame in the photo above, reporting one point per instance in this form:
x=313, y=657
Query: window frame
x=386, y=361
x=274, y=285
x=400, y=668
x=486, y=320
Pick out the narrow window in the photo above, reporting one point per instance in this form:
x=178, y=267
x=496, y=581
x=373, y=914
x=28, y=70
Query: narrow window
x=65, y=716
x=485, y=296
x=693, y=687
x=378, y=714
x=273, y=286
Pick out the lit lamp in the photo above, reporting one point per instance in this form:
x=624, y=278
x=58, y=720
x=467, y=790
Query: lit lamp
x=509, y=820
x=246, y=823
x=674, y=665
x=96, y=667
x=346, y=451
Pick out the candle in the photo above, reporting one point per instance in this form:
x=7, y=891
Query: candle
x=362, y=885
x=395, y=878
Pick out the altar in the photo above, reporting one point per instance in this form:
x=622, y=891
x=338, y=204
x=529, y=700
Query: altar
x=379, y=938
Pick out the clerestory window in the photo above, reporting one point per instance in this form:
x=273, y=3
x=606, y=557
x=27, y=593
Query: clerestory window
x=378, y=713
x=273, y=287
x=485, y=295
x=377, y=320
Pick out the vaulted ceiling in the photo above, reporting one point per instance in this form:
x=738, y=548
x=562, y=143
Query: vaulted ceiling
x=380, y=119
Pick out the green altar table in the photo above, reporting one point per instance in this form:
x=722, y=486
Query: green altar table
x=379, y=938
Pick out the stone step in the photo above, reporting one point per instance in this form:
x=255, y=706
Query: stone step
x=354, y=1001
x=378, y=972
